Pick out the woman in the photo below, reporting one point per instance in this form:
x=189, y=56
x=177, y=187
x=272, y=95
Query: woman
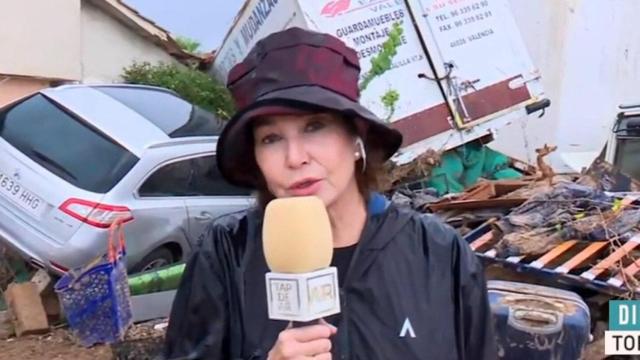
x=410, y=287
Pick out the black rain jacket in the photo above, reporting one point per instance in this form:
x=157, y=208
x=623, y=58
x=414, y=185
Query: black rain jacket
x=414, y=290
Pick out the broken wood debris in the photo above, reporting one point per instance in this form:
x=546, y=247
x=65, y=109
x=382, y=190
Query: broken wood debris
x=581, y=229
x=416, y=170
x=486, y=194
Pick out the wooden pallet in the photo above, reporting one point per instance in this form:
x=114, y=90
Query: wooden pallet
x=604, y=265
x=599, y=262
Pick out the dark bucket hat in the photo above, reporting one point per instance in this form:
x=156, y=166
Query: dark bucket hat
x=288, y=72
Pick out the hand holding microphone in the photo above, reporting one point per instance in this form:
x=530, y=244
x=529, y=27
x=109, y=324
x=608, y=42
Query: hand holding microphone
x=301, y=287
x=308, y=342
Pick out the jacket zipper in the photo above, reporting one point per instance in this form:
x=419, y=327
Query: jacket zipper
x=343, y=331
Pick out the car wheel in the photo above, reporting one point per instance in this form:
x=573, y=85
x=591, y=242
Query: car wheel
x=156, y=259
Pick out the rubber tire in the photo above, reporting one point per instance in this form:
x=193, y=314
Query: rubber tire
x=157, y=254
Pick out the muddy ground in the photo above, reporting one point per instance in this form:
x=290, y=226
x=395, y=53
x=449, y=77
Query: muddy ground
x=60, y=345
x=141, y=342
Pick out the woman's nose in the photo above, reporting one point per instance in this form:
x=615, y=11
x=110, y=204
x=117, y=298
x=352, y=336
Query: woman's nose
x=296, y=153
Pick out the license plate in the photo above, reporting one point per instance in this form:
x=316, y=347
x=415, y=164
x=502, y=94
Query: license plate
x=18, y=194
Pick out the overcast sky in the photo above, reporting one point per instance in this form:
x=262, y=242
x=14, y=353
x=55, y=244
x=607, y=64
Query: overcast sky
x=206, y=21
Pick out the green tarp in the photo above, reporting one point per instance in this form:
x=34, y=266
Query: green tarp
x=462, y=167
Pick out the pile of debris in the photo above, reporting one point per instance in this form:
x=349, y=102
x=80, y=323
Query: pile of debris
x=568, y=211
x=27, y=302
x=31, y=313
x=583, y=228
x=416, y=170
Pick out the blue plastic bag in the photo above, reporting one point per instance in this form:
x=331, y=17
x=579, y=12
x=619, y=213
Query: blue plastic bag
x=95, y=298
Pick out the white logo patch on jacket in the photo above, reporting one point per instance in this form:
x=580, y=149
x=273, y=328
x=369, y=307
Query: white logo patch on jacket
x=407, y=329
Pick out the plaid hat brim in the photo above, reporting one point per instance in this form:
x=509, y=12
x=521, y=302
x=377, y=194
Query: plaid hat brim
x=234, y=148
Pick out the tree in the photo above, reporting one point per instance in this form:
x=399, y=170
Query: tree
x=187, y=44
x=193, y=85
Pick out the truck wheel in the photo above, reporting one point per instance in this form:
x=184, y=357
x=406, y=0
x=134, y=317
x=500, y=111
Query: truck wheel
x=156, y=259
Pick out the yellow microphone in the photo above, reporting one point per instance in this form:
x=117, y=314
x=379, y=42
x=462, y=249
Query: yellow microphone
x=298, y=247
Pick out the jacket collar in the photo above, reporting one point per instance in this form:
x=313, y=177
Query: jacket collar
x=377, y=204
x=384, y=221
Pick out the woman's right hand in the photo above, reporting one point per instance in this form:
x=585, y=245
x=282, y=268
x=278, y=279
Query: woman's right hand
x=307, y=342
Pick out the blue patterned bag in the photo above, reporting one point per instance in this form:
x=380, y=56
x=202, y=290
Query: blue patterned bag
x=95, y=298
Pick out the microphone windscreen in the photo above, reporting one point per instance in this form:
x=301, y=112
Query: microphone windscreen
x=296, y=235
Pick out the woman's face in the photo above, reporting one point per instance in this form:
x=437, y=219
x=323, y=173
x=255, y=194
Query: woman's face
x=301, y=155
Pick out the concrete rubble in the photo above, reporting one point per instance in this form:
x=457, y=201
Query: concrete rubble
x=23, y=301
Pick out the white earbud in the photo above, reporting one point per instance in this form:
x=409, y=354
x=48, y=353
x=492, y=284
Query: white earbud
x=361, y=153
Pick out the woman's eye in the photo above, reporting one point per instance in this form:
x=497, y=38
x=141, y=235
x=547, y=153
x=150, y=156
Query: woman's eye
x=315, y=126
x=269, y=139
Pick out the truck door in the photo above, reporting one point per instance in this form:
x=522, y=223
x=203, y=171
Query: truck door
x=479, y=58
x=461, y=69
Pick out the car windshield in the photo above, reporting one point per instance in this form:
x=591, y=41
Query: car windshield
x=175, y=116
x=65, y=145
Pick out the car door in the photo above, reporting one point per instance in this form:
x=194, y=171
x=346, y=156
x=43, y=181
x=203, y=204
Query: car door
x=159, y=209
x=211, y=195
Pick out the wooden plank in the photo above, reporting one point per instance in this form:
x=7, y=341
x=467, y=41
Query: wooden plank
x=504, y=187
x=482, y=191
x=482, y=240
x=553, y=254
x=490, y=189
x=610, y=260
x=582, y=257
x=477, y=204
x=627, y=272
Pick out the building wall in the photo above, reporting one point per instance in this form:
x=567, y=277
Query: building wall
x=109, y=46
x=589, y=55
x=40, y=38
x=12, y=88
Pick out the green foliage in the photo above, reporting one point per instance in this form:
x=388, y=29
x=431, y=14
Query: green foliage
x=193, y=85
x=187, y=44
x=382, y=62
x=389, y=100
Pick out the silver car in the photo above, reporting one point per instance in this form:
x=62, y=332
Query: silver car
x=76, y=157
